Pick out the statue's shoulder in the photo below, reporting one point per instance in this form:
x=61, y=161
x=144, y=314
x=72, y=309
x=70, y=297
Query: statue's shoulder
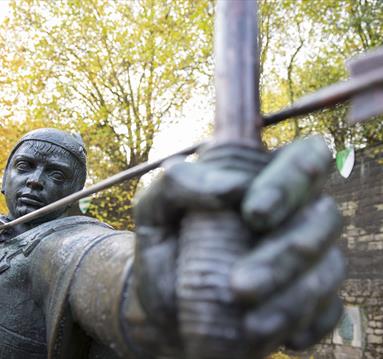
x=54, y=234
x=57, y=247
x=68, y=223
x=59, y=240
x=63, y=246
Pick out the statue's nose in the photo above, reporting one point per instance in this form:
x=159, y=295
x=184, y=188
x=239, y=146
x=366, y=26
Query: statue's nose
x=34, y=181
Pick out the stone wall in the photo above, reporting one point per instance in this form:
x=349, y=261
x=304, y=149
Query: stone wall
x=360, y=197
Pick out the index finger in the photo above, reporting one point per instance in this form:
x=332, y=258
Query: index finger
x=293, y=177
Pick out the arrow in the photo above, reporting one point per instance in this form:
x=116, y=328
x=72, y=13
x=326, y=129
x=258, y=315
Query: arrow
x=364, y=88
x=128, y=174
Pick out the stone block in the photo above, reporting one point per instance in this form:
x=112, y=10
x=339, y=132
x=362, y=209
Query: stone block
x=374, y=339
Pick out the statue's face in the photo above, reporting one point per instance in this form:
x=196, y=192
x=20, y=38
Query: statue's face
x=39, y=174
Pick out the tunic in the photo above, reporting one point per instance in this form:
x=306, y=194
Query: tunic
x=63, y=289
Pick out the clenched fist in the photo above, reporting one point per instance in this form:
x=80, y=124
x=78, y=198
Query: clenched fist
x=281, y=284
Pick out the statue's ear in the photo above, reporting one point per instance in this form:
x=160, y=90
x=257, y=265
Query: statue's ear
x=6, y=172
x=4, y=180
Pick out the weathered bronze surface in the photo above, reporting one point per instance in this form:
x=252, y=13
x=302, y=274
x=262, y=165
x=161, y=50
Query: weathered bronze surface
x=233, y=255
x=73, y=287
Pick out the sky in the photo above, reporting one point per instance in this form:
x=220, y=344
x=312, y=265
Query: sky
x=3, y=9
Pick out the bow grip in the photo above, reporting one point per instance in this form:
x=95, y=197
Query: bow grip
x=211, y=243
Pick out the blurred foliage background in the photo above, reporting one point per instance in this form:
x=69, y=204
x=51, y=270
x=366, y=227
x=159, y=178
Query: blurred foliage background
x=116, y=71
x=111, y=70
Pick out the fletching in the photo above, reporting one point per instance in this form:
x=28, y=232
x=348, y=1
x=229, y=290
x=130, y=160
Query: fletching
x=370, y=102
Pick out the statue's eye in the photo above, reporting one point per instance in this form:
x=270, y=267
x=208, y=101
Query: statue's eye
x=58, y=175
x=23, y=165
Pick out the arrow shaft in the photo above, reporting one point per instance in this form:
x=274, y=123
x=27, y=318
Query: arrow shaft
x=130, y=173
x=246, y=130
x=328, y=97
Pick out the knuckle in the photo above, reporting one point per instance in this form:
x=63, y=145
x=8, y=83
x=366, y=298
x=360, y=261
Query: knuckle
x=312, y=155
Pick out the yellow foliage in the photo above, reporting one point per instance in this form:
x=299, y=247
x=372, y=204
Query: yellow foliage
x=111, y=70
x=281, y=355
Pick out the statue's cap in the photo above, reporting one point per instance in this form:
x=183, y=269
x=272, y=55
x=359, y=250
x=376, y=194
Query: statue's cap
x=73, y=143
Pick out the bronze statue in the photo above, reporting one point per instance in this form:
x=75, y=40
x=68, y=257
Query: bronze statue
x=233, y=255
x=73, y=287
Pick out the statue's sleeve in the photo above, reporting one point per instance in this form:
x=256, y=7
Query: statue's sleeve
x=81, y=274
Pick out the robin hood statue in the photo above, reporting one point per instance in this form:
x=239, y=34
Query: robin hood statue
x=233, y=255
x=73, y=287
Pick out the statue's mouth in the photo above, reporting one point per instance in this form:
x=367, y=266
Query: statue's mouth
x=31, y=200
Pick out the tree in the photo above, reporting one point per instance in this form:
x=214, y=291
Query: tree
x=114, y=71
x=331, y=31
